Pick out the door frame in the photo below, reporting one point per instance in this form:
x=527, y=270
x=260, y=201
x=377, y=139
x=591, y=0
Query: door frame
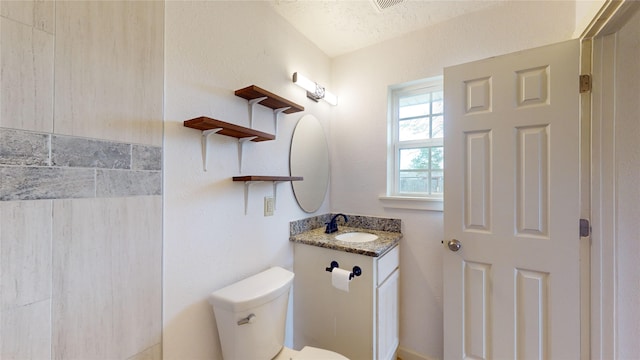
x=599, y=294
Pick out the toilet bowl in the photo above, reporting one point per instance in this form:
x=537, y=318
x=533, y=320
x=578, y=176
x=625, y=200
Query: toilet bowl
x=308, y=353
x=251, y=316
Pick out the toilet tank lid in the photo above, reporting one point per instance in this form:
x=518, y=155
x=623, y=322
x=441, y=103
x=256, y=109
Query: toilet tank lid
x=253, y=291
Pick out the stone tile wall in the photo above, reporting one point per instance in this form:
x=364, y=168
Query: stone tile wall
x=81, y=122
x=36, y=166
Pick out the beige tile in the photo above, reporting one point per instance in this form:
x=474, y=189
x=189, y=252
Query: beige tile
x=26, y=80
x=36, y=13
x=25, y=283
x=152, y=353
x=107, y=277
x=21, y=11
x=25, y=253
x=25, y=332
x=138, y=273
x=109, y=70
x=44, y=15
x=82, y=306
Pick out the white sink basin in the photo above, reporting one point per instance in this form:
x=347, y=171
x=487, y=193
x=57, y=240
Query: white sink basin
x=356, y=237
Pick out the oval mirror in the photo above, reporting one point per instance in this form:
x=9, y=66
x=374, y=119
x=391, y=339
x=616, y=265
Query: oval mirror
x=309, y=158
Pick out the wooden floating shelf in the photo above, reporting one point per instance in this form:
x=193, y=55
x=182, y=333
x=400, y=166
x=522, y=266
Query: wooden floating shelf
x=254, y=95
x=267, y=178
x=251, y=179
x=206, y=123
x=272, y=100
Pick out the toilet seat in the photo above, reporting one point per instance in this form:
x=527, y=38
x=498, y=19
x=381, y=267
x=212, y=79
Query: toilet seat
x=308, y=353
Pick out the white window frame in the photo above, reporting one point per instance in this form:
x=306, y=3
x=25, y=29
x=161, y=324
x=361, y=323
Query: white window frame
x=394, y=198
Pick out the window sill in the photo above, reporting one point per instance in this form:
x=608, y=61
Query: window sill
x=412, y=203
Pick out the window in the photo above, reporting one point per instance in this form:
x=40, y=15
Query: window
x=415, y=153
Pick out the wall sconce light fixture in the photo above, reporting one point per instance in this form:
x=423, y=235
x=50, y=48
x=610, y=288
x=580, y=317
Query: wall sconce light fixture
x=315, y=92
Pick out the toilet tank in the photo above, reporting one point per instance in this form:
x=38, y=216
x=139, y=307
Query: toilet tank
x=251, y=315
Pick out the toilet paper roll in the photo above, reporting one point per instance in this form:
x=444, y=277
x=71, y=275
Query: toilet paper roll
x=340, y=279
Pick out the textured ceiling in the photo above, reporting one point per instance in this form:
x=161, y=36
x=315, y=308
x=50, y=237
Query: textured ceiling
x=341, y=26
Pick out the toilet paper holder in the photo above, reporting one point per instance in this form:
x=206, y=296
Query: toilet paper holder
x=356, y=271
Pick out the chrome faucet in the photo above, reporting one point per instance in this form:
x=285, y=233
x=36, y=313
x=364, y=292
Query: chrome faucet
x=332, y=226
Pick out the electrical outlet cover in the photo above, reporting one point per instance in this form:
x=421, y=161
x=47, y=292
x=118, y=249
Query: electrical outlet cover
x=268, y=206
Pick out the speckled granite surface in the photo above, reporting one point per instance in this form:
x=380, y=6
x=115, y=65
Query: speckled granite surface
x=356, y=221
x=310, y=231
x=303, y=225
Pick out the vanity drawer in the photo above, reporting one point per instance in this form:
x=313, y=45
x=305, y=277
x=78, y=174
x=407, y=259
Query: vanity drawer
x=387, y=264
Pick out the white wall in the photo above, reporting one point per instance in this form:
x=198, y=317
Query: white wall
x=359, y=130
x=585, y=12
x=212, y=49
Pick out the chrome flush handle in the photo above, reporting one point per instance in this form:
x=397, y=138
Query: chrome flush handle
x=248, y=320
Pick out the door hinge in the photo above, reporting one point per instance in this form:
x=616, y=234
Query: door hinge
x=585, y=228
x=585, y=83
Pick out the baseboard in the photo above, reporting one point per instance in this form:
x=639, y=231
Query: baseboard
x=406, y=354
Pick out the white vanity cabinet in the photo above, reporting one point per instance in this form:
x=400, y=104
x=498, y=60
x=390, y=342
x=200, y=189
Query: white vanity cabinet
x=361, y=323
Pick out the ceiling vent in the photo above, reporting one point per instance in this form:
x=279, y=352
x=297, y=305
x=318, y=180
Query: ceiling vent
x=382, y=5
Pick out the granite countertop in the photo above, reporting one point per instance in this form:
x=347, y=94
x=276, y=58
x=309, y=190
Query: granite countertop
x=386, y=240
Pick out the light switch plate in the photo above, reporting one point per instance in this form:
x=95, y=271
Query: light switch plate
x=268, y=205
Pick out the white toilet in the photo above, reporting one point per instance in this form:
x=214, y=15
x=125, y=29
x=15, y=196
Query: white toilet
x=251, y=318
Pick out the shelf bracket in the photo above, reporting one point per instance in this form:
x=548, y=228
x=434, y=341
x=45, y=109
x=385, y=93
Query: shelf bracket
x=275, y=193
x=277, y=112
x=203, y=140
x=246, y=194
x=241, y=142
x=252, y=104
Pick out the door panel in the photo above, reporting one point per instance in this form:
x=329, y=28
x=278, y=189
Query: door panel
x=512, y=200
x=477, y=206
x=476, y=306
x=532, y=313
x=532, y=180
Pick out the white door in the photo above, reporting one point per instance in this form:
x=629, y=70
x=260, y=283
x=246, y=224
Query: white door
x=512, y=201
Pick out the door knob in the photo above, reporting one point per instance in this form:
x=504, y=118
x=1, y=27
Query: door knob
x=454, y=245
